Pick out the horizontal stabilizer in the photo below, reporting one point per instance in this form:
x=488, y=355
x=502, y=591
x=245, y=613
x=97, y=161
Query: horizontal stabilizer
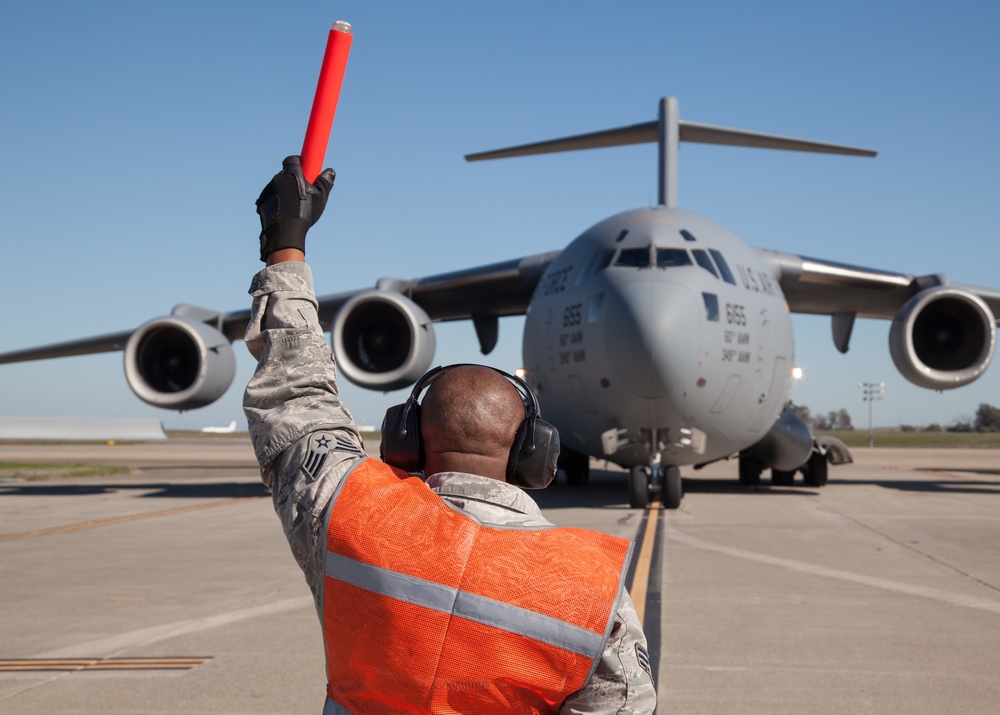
x=710, y=134
x=635, y=134
x=669, y=130
x=689, y=132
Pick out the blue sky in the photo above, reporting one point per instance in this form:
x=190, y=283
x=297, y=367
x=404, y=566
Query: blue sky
x=134, y=138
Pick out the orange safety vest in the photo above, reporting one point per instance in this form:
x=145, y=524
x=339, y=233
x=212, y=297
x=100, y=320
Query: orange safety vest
x=426, y=610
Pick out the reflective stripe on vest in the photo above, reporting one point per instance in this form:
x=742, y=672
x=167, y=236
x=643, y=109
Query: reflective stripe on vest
x=428, y=611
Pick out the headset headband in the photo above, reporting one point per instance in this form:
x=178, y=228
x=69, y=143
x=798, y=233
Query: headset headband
x=527, y=466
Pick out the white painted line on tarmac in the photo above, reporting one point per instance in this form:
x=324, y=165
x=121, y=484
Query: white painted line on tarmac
x=145, y=636
x=950, y=597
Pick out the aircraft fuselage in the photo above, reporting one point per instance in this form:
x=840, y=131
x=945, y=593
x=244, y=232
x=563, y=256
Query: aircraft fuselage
x=661, y=332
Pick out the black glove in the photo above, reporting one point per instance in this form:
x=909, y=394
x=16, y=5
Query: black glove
x=289, y=205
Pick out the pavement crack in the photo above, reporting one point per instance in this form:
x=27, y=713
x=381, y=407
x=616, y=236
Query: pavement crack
x=910, y=547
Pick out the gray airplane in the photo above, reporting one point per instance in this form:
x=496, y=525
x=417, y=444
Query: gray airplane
x=655, y=339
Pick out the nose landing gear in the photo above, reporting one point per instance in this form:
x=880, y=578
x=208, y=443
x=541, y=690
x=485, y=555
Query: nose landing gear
x=656, y=478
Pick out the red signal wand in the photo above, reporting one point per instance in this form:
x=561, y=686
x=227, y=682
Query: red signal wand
x=331, y=77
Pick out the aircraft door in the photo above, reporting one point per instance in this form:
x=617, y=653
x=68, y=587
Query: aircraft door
x=771, y=377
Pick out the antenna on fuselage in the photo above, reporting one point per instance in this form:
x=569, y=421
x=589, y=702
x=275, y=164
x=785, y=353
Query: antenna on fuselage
x=669, y=131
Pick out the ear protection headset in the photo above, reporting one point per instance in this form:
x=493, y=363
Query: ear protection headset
x=532, y=461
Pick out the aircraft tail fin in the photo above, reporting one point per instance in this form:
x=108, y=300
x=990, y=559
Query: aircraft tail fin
x=669, y=130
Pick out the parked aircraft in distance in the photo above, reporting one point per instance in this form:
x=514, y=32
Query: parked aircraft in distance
x=655, y=339
x=228, y=429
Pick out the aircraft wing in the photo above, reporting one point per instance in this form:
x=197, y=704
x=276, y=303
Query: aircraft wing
x=490, y=291
x=498, y=289
x=813, y=285
x=87, y=346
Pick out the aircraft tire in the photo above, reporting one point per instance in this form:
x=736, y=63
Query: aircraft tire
x=673, y=488
x=638, y=484
x=781, y=478
x=816, y=470
x=750, y=469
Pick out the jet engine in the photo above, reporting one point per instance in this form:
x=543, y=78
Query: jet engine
x=942, y=338
x=382, y=340
x=178, y=363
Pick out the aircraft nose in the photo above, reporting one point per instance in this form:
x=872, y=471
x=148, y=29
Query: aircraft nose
x=653, y=335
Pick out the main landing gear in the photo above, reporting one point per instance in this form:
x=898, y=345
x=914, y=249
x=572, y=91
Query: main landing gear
x=652, y=479
x=576, y=466
x=750, y=468
x=814, y=472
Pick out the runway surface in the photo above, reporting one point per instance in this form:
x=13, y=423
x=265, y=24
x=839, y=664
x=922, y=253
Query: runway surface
x=169, y=588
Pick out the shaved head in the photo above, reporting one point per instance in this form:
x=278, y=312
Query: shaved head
x=468, y=420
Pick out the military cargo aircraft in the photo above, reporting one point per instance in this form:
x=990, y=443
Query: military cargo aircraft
x=656, y=339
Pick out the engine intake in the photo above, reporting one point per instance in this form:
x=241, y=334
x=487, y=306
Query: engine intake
x=943, y=338
x=179, y=364
x=382, y=340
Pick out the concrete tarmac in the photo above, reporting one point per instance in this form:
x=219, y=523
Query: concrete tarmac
x=879, y=593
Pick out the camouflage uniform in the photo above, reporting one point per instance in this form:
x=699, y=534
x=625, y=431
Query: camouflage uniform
x=306, y=443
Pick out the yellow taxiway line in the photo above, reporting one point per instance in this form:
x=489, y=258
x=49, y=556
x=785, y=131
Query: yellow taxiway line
x=644, y=562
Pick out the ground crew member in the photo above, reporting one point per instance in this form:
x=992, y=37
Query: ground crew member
x=448, y=595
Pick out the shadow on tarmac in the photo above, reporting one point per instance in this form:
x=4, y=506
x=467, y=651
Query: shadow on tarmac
x=733, y=486
x=183, y=490
x=609, y=489
x=937, y=486
x=942, y=486
x=605, y=490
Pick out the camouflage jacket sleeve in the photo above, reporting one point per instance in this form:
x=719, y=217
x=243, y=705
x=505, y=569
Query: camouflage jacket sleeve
x=292, y=404
x=622, y=682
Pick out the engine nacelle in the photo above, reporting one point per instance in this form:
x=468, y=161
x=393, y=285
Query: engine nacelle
x=179, y=364
x=943, y=338
x=382, y=340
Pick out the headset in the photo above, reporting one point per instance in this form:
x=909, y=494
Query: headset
x=533, y=456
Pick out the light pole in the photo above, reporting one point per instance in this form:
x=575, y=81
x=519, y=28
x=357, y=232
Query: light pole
x=871, y=391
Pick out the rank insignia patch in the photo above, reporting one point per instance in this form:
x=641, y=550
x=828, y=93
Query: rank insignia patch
x=320, y=447
x=643, y=658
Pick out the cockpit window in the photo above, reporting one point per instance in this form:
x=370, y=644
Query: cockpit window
x=595, y=263
x=671, y=257
x=704, y=261
x=633, y=257
x=727, y=275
